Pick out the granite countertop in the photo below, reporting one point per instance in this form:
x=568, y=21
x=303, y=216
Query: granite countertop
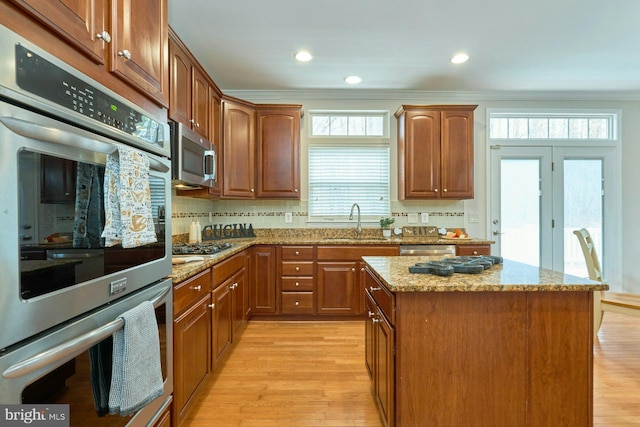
x=329, y=237
x=393, y=272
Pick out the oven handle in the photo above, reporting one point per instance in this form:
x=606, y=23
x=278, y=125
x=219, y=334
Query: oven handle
x=66, y=136
x=72, y=347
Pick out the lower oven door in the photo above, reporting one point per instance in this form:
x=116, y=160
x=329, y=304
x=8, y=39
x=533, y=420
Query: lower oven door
x=54, y=367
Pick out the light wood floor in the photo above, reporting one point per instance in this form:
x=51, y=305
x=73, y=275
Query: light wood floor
x=312, y=374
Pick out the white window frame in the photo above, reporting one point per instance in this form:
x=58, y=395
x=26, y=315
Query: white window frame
x=384, y=114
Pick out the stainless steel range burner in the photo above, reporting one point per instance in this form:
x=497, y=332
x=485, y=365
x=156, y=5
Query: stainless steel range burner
x=199, y=248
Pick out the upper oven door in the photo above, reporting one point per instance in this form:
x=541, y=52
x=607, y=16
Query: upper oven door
x=54, y=261
x=193, y=157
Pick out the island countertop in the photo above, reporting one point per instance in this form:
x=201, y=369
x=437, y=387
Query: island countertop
x=393, y=272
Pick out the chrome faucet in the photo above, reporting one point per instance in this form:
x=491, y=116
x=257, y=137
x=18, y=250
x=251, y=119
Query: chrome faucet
x=358, y=226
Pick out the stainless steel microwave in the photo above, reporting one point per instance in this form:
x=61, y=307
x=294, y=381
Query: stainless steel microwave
x=193, y=159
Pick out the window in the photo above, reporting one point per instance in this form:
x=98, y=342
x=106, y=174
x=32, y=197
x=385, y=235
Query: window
x=348, y=163
x=566, y=126
x=329, y=124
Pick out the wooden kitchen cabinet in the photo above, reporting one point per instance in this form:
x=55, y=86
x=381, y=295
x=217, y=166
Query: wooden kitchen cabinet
x=297, y=279
x=129, y=37
x=191, y=341
x=57, y=180
x=189, y=90
x=238, y=149
x=341, y=277
x=435, y=151
x=263, y=280
x=380, y=348
x=278, y=151
x=230, y=302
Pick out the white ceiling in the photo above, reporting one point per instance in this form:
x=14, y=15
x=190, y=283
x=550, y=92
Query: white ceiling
x=514, y=45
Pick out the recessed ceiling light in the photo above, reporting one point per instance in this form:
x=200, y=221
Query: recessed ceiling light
x=459, y=58
x=303, y=56
x=353, y=80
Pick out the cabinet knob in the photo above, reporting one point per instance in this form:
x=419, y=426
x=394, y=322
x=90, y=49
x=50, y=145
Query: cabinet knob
x=297, y=302
x=375, y=320
x=475, y=252
x=193, y=122
x=371, y=314
x=197, y=288
x=104, y=36
x=445, y=190
x=252, y=190
x=353, y=269
x=125, y=54
x=361, y=268
x=297, y=268
x=297, y=284
x=296, y=190
x=212, y=306
x=372, y=289
x=297, y=252
x=436, y=190
x=197, y=125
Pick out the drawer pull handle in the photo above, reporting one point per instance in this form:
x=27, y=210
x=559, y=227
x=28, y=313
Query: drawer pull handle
x=372, y=289
x=197, y=288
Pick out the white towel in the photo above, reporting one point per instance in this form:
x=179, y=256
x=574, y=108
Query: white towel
x=127, y=199
x=136, y=377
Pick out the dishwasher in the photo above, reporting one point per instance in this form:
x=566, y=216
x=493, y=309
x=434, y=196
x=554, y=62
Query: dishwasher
x=428, y=250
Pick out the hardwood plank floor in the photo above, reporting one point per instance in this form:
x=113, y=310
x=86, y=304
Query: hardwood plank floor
x=308, y=374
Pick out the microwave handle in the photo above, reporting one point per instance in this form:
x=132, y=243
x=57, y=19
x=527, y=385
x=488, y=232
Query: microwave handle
x=74, y=346
x=209, y=172
x=66, y=135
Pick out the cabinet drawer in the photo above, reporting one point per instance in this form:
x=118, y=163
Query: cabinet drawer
x=225, y=269
x=295, y=268
x=297, y=253
x=381, y=295
x=297, y=302
x=189, y=291
x=469, y=250
x=297, y=283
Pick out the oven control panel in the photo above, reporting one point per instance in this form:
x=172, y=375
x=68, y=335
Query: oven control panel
x=45, y=79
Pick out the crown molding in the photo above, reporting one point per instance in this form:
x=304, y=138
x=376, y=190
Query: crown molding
x=431, y=96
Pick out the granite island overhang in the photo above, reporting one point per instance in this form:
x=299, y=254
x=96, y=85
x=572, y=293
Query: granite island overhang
x=510, y=346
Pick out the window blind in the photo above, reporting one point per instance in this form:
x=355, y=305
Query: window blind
x=340, y=176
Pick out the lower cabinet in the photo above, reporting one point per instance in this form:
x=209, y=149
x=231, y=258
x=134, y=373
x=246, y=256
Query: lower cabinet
x=191, y=341
x=472, y=250
x=263, y=280
x=380, y=350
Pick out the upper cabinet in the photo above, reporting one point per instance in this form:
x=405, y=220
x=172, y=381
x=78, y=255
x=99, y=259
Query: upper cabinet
x=238, y=149
x=128, y=37
x=435, y=151
x=278, y=151
x=190, y=90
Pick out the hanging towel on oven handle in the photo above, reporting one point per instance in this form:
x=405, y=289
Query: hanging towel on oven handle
x=127, y=199
x=136, y=377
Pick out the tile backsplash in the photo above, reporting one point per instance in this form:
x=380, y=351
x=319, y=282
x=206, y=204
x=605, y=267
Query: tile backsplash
x=271, y=214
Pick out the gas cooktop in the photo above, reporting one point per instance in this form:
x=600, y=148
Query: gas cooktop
x=199, y=249
x=461, y=264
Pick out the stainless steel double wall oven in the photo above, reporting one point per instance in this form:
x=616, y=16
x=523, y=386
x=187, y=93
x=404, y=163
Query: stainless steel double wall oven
x=61, y=289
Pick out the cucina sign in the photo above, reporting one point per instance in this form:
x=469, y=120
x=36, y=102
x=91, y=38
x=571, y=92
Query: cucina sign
x=228, y=231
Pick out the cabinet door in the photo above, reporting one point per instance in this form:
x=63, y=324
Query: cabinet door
x=278, y=152
x=369, y=335
x=457, y=155
x=222, y=318
x=238, y=151
x=384, y=371
x=139, y=46
x=338, y=288
x=263, y=292
x=180, y=85
x=421, y=175
x=239, y=289
x=192, y=353
x=200, y=103
x=78, y=22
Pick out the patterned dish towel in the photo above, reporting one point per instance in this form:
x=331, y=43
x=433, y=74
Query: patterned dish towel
x=136, y=376
x=127, y=199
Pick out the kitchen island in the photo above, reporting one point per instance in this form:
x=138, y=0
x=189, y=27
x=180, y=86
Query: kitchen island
x=511, y=346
